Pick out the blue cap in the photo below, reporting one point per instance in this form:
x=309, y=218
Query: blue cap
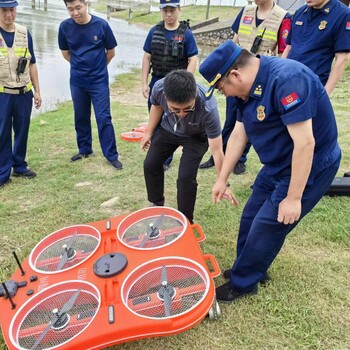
x=8, y=3
x=218, y=62
x=170, y=3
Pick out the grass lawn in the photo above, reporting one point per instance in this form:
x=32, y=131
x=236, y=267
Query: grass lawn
x=306, y=306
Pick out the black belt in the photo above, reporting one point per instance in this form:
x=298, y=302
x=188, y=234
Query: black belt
x=17, y=91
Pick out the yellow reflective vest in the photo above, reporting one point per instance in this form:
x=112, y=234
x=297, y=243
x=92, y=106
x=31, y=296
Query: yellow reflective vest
x=9, y=60
x=248, y=31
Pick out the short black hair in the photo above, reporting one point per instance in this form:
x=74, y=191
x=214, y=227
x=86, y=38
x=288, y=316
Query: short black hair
x=180, y=86
x=67, y=1
x=242, y=60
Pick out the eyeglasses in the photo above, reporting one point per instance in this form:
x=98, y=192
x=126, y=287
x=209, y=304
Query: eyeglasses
x=178, y=111
x=220, y=90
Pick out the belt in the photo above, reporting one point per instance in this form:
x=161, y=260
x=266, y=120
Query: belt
x=16, y=91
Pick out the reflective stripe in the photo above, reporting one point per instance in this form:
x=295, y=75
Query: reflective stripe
x=4, y=52
x=20, y=51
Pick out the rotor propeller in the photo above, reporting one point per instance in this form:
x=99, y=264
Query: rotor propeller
x=56, y=316
x=153, y=230
x=67, y=253
x=166, y=292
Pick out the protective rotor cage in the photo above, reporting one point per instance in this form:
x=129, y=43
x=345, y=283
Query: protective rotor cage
x=64, y=249
x=165, y=288
x=152, y=228
x=55, y=316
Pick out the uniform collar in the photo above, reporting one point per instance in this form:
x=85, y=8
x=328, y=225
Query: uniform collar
x=258, y=87
x=326, y=9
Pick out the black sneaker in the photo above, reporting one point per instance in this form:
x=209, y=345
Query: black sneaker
x=226, y=294
x=117, y=164
x=28, y=174
x=80, y=156
x=239, y=168
x=264, y=281
x=208, y=164
x=2, y=184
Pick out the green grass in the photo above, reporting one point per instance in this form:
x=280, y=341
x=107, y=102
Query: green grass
x=306, y=306
x=196, y=14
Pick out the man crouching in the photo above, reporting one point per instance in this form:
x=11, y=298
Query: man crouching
x=180, y=115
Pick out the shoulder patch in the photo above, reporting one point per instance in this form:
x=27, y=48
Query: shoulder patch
x=290, y=100
x=347, y=25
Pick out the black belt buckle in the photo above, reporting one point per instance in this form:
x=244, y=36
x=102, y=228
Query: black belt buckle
x=22, y=90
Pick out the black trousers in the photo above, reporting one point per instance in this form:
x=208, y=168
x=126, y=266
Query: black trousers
x=163, y=144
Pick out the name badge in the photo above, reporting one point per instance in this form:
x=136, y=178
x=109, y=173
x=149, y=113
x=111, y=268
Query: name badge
x=299, y=23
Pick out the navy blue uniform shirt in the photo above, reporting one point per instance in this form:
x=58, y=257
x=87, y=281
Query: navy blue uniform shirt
x=87, y=44
x=316, y=35
x=287, y=92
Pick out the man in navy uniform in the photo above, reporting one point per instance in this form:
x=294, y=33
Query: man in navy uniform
x=169, y=45
x=18, y=74
x=261, y=28
x=320, y=32
x=180, y=116
x=88, y=44
x=285, y=112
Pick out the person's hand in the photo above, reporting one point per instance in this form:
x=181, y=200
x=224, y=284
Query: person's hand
x=145, y=141
x=145, y=91
x=220, y=190
x=289, y=211
x=37, y=100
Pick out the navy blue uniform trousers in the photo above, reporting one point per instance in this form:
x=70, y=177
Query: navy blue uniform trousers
x=230, y=122
x=15, y=112
x=82, y=98
x=261, y=236
x=164, y=144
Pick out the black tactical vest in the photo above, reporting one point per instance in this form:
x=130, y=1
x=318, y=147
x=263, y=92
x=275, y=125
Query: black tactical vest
x=168, y=55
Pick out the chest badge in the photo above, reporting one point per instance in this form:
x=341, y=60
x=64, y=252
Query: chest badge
x=248, y=19
x=95, y=37
x=298, y=23
x=322, y=25
x=260, y=113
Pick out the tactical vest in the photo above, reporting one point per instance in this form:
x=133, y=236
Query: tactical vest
x=9, y=60
x=248, y=31
x=168, y=55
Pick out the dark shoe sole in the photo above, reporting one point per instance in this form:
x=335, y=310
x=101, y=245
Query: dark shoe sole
x=206, y=165
x=238, y=298
x=80, y=156
x=226, y=295
x=31, y=176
